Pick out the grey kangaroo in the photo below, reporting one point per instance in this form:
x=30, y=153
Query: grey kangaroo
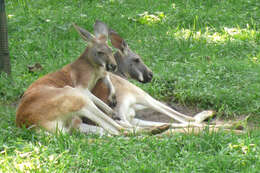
x=131, y=98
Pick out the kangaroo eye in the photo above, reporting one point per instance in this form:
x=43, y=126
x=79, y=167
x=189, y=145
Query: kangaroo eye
x=137, y=60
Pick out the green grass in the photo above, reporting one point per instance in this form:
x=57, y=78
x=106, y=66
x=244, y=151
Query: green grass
x=203, y=53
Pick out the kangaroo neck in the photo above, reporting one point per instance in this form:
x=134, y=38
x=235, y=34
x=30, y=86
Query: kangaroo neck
x=84, y=73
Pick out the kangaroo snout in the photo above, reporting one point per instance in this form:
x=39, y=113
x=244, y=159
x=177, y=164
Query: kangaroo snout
x=148, y=77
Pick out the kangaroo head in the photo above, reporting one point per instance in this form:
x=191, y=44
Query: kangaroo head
x=99, y=53
x=129, y=63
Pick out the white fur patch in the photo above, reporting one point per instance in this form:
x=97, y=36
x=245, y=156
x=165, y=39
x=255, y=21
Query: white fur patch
x=111, y=87
x=85, y=128
x=140, y=76
x=57, y=125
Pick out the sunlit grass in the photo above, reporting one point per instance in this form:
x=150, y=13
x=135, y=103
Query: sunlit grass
x=228, y=34
x=149, y=19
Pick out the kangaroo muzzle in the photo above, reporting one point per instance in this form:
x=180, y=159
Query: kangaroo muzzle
x=148, y=77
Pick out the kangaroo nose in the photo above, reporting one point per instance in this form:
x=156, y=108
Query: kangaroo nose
x=150, y=75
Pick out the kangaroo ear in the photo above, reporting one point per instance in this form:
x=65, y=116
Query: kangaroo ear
x=87, y=36
x=117, y=41
x=101, y=31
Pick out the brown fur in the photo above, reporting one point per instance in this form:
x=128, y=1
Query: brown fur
x=52, y=94
x=55, y=99
x=101, y=91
